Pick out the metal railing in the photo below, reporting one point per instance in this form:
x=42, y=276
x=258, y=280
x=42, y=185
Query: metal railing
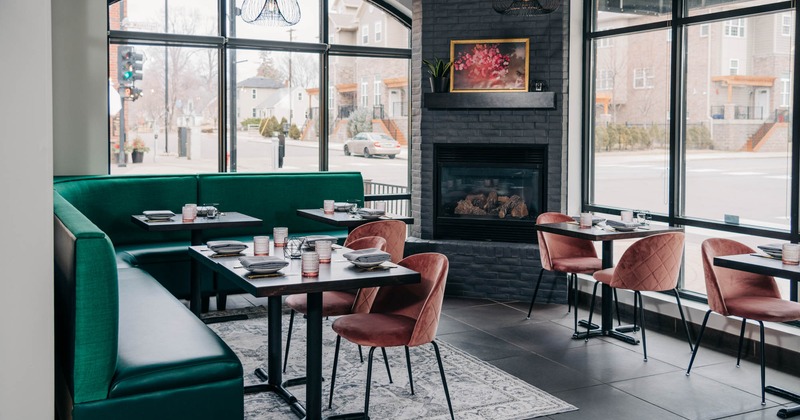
x=748, y=112
x=345, y=111
x=377, y=112
x=397, y=197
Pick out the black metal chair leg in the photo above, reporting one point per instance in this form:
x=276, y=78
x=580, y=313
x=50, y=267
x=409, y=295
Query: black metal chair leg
x=570, y=280
x=444, y=381
x=408, y=364
x=369, y=381
x=360, y=354
x=575, y=304
x=638, y=295
x=683, y=318
x=535, y=292
x=591, y=310
x=288, y=340
x=741, y=342
x=616, y=304
x=697, y=343
x=386, y=361
x=635, y=315
x=763, y=361
x=333, y=374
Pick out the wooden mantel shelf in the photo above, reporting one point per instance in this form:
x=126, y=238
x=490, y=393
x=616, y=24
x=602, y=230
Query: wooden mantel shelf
x=478, y=100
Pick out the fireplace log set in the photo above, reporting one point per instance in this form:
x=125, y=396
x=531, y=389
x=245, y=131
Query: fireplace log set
x=492, y=205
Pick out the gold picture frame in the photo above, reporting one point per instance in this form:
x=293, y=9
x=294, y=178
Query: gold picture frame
x=489, y=65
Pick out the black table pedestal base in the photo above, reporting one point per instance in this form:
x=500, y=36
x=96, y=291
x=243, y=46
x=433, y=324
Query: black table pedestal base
x=612, y=333
x=785, y=413
x=282, y=392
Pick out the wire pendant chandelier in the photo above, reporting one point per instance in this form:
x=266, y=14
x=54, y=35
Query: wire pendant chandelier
x=271, y=12
x=525, y=7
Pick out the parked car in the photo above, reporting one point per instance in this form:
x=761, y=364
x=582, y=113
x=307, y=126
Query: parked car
x=372, y=144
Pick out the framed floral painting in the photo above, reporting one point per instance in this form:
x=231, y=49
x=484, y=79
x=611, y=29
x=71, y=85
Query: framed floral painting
x=489, y=65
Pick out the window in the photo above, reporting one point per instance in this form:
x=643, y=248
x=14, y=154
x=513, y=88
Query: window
x=786, y=24
x=643, y=78
x=605, y=80
x=733, y=68
x=365, y=35
x=704, y=30
x=254, y=113
x=331, y=96
x=364, y=93
x=254, y=94
x=786, y=91
x=734, y=28
x=378, y=86
x=378, y=32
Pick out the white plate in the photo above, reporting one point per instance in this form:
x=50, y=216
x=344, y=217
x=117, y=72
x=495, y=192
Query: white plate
x=159, y=217
x=371, y=217
x=366, y=264
x=264, y=270
x=624, y=229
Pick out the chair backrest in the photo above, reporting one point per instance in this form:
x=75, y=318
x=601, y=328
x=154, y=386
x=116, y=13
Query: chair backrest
x=365, y=296
x=421, y=302
x=552, y=246
x=394, y=231
x=725, y=283
x=652, y=263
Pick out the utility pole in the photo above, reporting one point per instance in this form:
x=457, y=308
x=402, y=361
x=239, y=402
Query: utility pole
x=166, y=80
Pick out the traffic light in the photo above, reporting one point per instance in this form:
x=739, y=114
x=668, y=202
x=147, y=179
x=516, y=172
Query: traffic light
x=129, y=65
x=131, y=93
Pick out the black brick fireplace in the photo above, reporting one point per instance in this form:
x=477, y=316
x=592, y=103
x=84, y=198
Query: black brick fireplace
x=488, y=192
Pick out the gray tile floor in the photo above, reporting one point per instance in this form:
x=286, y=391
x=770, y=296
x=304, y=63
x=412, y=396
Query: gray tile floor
x=605, y=378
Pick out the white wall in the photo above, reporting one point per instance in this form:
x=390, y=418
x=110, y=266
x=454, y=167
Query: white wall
x=26, y=170
x=80, y=87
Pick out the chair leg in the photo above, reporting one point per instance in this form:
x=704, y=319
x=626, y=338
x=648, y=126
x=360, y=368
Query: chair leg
x=222, y=301
x=616, y=304
x=763, y=357
x=444, y=381
x=741, y=342
x=369, y=381
x=570, y=278
x=288, y=340
x=638, y=295
x=591, y=310
x=408, y=364
x=386, y=361
x=635, y=315
x=683, y=318
x=360, y=354
x=575, y=304
x=697, y=343
x=333, y=374
x=535, y=292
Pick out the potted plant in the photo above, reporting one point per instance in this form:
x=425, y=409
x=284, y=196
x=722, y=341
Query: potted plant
x=137, y=149
x=439, y=72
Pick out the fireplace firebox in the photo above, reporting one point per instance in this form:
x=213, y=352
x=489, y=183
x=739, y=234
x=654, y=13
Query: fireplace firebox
x=489, y=192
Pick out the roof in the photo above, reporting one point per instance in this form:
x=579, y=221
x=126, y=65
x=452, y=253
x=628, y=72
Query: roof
x=343, y=22
x=260, y=82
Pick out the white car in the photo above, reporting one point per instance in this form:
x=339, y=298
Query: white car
x=372, y=144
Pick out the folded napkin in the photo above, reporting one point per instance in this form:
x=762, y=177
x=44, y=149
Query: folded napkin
x=263, y=263
x=158, y=214
x=226, y=247
x=313, y=238
x=617, y=223
x=368, y=255
x=771, y=248
x=370, y=212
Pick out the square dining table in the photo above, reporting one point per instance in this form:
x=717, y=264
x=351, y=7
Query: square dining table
x=337, y=275
x=227, y=219
x=345, y=219
x=768, y=266
x=607, y=236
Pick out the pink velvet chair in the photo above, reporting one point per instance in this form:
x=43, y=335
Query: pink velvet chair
x=406, y=315
x=394, y=231
x=335, y=303
x=567, y=255
x=739, y=293
x=650, y=264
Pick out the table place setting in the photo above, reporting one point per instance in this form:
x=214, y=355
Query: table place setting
x=226, y=248
x=369, y=258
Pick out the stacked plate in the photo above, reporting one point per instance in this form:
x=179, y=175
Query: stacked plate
x=313, y=238
x=595, y=219
x=226, y=247
x=773, y=250
x=342, y=206
x=620, y=226
x=368, y=257
x=370, y=214
x=263, y=265
x=158, y=214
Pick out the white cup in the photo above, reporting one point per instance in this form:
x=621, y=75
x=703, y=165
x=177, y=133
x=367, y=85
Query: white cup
x=586, y=220
x=790, y=254
x=626, y=215
x=327, y=206
x=309, y=262
x=323, y=249
x=280, y=235
x=261, y=245
x=188, y=213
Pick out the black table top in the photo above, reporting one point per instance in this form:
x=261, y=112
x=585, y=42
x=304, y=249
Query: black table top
x=345, y=219
x=338, y=275
x=224, y=220
x=760, y=265
x=595, y=233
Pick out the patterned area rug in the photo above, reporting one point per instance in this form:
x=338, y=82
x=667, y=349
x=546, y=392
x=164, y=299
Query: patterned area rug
x=478, y=390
